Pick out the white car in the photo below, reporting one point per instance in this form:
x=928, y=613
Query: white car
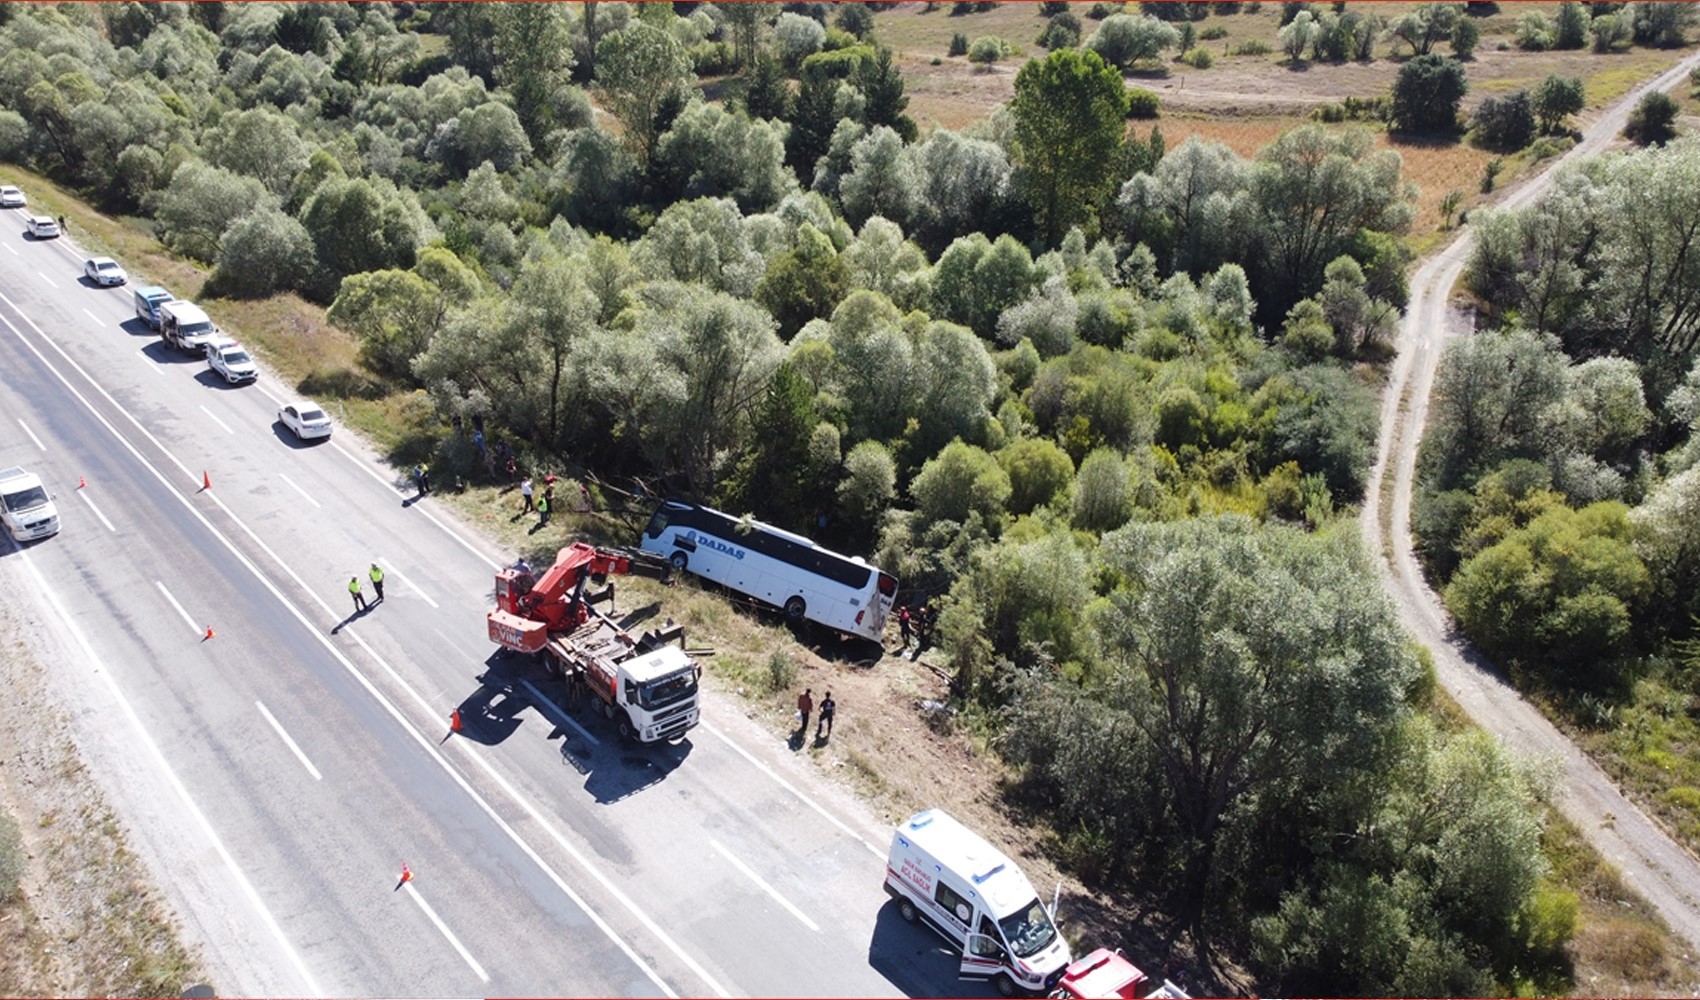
x=11, y=197
x=104, y=271
x=42, y=227
x=230, y=359
x=305, y=419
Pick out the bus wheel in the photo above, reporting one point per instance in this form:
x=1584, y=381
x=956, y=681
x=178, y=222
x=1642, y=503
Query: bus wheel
x=907, y=911
x=679, y=560
x=794, y=609
x=1005, y=985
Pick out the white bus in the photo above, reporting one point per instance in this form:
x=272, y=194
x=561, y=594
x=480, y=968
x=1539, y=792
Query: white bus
x=775, y=566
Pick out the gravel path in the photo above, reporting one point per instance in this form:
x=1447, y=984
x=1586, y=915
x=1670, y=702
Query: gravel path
x=1661, y=870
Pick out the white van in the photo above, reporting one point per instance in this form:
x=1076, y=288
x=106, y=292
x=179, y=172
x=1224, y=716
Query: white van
x=970, y=892
x=186, y=326
x=25, y=508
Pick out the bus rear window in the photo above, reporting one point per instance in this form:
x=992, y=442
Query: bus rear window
x=888, y=585
x=657, y=524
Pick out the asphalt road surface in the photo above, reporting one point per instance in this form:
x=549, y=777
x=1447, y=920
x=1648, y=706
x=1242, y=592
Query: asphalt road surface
x=277, y=776
x=1657, y=867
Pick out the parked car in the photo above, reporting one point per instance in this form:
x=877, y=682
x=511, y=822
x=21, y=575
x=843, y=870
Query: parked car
x=104, y=271
x=42, y=227
x=230, y=359
x=11, y=197
x=148, y=299
x=305, y=419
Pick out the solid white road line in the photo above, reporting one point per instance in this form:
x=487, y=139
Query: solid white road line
x=97, y=513
x=389, y=568
x=411, y=891
x=217, y=421
x=290, y=742
x=192, y=626
x=770, y=890
x=811, y=803
x=45, y=278
x=31, y=433
x=145, y=738
x=261, y=386
x=305, y=495
x=558, y=713
x=426, y=744
x=468, y=546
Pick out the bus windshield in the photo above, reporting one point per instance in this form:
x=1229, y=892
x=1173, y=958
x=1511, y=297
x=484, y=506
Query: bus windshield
x=1028, y=930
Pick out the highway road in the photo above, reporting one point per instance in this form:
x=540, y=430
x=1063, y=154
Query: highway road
x=277, y=776
x=1665, y=873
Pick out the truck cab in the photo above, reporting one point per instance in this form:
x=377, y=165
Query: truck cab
x=974, y=896
x=185, y=326
x=26, y=509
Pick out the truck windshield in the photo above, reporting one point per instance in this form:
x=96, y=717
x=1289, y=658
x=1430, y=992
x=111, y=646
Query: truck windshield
x=668, y=690
x=24, y=500
x=194, y=329
x=1028, y=930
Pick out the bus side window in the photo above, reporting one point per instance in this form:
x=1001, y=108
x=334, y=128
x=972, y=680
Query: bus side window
x=657, y=524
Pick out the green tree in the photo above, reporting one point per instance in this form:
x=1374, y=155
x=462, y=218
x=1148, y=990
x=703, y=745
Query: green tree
x=776, y=479
x=392, y=314
x=1571, y=29
x=1426, y=25
x=532, y=59
x=814, y=116
x=1465, y=36
x=1557, y=98
x=1653, y=122
x=260, y=143
x=1103, y=491
x=868, y=487
x=959, y=481
x=1069, y=112
x=261, y=253
x=765, y=93
x=1263, y=660
x=1426, y=95
x=358, y=225
x=1122, y=39
x=882, y=85
x=803, y=283
x=1557, y=597
x=882, y=180
x=200, y=203
x=643, y=72
x=1039, y=472
x=1507, y=123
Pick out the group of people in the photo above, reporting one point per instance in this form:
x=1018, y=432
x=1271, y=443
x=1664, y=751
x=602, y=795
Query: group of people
x=376, y=574
x=806, y=707
x=917, y=624
x=530, y=501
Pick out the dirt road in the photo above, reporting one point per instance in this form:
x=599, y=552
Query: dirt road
x=1666, y=874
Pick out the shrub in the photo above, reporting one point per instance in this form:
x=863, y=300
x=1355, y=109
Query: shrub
x=1329, y=113
x=958, y=45
x=1102, y=10
x=1212, y=33
x=1505, y=123
x=712, y=59
x=781, y=671
x=1142, y=103
x=987, y=50
x=1252, y=47
x=1653, y=122
x=1199, y=59
x=1061, y=32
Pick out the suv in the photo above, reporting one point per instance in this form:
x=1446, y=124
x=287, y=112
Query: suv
x=42, y=227
x=25, y=508
x=230, y=359
x=148, y=300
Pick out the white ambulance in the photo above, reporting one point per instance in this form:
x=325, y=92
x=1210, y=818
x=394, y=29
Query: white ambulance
x=970, y=892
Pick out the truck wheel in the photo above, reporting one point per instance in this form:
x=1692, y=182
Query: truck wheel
x=907, y=911
x=794, y=608
x=679, y=560
x=1005, y=985
x=608, y=711
x=627, y=730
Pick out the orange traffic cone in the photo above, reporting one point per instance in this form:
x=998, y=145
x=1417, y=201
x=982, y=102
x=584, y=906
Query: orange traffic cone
x=209, y=634
x=82, y=484
x=206, y=480
x=454, y=721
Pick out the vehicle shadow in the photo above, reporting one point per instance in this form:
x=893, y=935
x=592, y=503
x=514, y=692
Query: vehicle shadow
x=137, y=328
x=491, y=714
x=88, y=282
x=162, y=353
x=613, y=769
x=288, y=437
x=213, y=380
x=917, y=961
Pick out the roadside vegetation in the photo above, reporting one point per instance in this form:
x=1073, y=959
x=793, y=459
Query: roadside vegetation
x=1104, y=396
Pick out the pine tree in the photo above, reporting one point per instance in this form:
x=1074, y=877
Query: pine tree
x=813, y=117
x=882, y=85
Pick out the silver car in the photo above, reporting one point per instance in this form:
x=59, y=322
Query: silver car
x=104, y=271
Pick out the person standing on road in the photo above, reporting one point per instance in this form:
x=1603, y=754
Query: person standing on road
x=805, y=706
x=359, y=598
x=525, y=488
x=377, y=582
x=827, y=708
